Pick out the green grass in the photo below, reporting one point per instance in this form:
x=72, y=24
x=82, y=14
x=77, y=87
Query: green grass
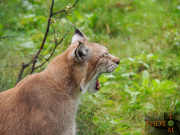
x=143, y=34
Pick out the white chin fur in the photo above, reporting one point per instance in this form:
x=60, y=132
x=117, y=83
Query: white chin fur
x=90, y=86
x=92, y=91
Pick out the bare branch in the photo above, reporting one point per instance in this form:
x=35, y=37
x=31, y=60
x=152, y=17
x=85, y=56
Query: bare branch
x=65, y=9
x=34, y=60
x=53, y=50
x=21, y=72
x=45, y=36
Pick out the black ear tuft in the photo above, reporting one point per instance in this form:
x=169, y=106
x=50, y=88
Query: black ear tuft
x=77, y=31
x=78, y=36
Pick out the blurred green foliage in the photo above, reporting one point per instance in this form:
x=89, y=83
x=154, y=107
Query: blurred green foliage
x=143, y=34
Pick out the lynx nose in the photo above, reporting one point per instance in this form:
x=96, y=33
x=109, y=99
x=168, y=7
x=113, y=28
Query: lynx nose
x=117, y=62
x=115, y=59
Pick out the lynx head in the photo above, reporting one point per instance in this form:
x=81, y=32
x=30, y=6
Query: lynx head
x=91, y=60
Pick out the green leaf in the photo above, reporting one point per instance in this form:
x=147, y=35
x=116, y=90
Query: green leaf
x=117, y=69
x=168, y=85
x=149, y=56
x=146, y=65
x=132, y=93
x=145, y=82
x=128, y=74
x=137, y=86
x=107, y=83
x=145, y=75
x=131, y=59
x=155, y=83
x=102, y=79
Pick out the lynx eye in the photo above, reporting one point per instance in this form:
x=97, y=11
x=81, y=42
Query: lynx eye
x=105, y=54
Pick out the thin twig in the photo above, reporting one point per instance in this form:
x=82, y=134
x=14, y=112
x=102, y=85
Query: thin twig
x=53, y=50
x=12, y=65
x=27, y=72
x=83, y=122
x=65, y=9
x=10, y=36
x=55, y=41
x=63, y=37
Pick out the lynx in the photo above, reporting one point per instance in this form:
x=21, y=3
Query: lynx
x=46, y=103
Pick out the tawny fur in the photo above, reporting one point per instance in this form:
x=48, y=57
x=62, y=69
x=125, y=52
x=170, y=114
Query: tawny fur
x=46, y=103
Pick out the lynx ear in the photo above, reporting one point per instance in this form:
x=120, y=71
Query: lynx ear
x=81, y=52
x=78, y=36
